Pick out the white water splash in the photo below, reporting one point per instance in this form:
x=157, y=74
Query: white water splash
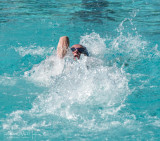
x=94, y=43
x=44, y=72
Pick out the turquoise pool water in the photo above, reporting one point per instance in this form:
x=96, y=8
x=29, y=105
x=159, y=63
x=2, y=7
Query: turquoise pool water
x=112, y=95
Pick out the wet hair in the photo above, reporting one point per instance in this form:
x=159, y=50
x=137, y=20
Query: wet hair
x=62, y=46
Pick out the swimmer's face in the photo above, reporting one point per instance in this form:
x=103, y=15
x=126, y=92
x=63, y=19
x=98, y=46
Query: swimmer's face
x=76, y=54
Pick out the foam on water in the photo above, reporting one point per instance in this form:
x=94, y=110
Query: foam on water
x=33, y=50
x=7, y=80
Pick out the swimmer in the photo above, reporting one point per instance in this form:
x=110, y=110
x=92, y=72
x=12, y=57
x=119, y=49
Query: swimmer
x=76, y=49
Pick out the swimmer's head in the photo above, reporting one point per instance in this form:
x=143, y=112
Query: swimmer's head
x=77, y=50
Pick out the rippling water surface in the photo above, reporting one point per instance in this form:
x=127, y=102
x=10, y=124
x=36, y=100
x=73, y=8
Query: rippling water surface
x=111, y=95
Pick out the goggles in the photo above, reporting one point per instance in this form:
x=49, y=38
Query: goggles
x=80, y=50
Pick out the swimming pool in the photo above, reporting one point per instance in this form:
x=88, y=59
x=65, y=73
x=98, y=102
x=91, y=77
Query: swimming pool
x=112, y=95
